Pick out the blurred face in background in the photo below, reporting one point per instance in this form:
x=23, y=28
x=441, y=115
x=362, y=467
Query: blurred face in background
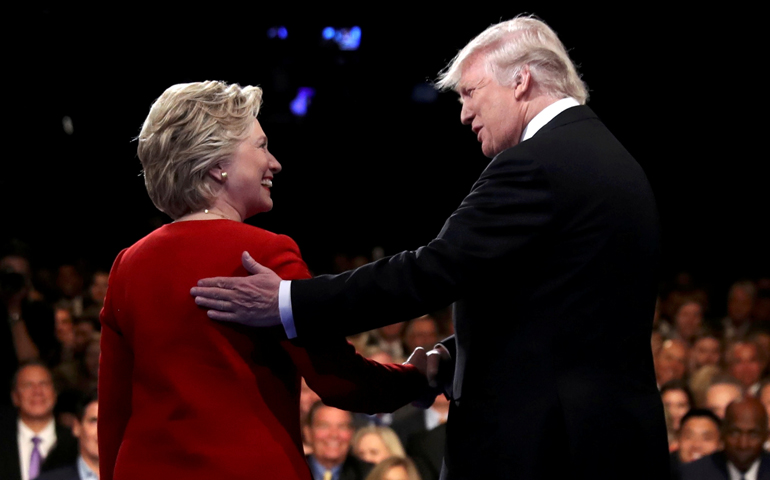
x=688, y=320
x=329, y=434
x=670, y=363
x=676, y=404
x=719, y=396
x=698, y=437
x=34, y=395
x=744, y=363
x=705, y=351
x=372, y=449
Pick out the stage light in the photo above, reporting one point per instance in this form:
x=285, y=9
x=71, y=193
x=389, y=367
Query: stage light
x=301, y=102
x=277, y=32
x=345, y=38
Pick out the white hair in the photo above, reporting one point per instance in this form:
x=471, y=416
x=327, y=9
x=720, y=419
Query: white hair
x=509, y=46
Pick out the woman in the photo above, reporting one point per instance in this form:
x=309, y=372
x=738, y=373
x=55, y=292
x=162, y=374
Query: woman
x=677, y=400
x=182, y=396
x=394, y=468
x=375, y=443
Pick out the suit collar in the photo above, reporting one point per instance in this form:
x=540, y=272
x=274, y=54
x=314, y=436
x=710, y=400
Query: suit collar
x=573, y=114
x=546, y=115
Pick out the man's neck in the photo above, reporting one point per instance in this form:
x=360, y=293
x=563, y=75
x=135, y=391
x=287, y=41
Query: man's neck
x=36, y=424
x=328, y=464
x=537, y=105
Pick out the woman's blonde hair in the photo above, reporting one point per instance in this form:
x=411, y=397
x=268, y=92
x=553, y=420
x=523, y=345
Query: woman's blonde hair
x=379, y=470
x=388, y=436
x=190, y=128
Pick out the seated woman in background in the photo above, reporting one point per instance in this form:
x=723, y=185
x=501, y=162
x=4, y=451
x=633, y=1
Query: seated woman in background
x=394, y=468
x=375, y=443
x=181, y=396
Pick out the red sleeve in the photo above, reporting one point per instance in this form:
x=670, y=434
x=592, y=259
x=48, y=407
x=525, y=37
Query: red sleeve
x=332, y=367
x=115, y=371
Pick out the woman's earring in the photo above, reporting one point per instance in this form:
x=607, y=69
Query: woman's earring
x=224, y=175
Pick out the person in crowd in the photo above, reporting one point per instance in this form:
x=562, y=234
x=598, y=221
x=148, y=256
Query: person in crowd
x=671, y=361
x=390, y=339
x=182, y=396
x=84, y=429
x=688, y=321
x=740, y=302
x=745, y=364
x=31, y=441
x=97, y=290
x=723, y=390
x=375, y=443
x=69, y=284
x=706, y=350
x=395, y=468
x=697, y=437
x=329, y=432
x=421, y=332
x=677, y=401
x=744, y=431
x=557, y=238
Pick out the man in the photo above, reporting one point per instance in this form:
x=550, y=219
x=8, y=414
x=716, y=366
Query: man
x=722, y=391
x=698, y=436
x=421, y=332
x=32, y=442
x=744, y=431
x=550, y=262
x=671, y=361
x=740, y=302
x=328, y=432
x=84, y=429
x=706, y=350
x=744, y=363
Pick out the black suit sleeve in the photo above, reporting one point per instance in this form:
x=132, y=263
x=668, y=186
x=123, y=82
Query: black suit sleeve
x=509, y=207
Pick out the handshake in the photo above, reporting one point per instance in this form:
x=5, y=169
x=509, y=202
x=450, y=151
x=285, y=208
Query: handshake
x=438, y=368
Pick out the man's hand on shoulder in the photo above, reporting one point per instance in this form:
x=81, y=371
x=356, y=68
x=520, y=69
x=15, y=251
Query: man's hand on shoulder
x=251, y=300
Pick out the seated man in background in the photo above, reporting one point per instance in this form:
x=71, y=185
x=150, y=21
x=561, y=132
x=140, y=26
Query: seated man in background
x=744, y=431
x=31, y=442
x=86, y=467
x=329, y=432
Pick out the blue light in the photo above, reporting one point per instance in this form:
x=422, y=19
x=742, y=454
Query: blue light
x=301, y=102
x=348, y=39
x=282, y=33
x=271, y=33
x=328, y=33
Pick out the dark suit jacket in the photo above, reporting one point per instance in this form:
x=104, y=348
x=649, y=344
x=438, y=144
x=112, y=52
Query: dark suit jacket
x=63, y=453
x=426, y=448
x=69, y=472
x=551, y=264
x=714, y=467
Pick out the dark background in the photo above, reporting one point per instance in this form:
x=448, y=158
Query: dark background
x=368, y=166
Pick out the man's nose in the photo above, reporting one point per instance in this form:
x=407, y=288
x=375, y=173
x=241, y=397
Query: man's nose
x=466, y=115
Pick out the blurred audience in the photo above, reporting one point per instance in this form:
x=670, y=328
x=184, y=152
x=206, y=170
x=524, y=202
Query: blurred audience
x=698, y=436
x=745, y=364
x=86, y=467
x=671, y=361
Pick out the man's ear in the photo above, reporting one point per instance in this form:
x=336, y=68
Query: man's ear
x=76, y=428
x=522, y=83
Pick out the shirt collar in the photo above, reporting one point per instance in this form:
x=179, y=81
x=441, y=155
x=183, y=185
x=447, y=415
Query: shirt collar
x=546, y=115
x=319, y=470
x=47, y=435
x=85, y=471
x=751, y=473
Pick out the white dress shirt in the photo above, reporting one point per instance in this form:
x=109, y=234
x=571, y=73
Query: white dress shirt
x=538, y=121
x=24, y=436
x=751, y=473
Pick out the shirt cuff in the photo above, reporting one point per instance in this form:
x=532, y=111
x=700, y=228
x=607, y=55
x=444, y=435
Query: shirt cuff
x=284, y=309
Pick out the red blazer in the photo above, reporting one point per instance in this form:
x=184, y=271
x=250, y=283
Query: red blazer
x=182, y=396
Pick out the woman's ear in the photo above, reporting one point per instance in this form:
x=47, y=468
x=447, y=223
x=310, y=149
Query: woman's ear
x=218, y=173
